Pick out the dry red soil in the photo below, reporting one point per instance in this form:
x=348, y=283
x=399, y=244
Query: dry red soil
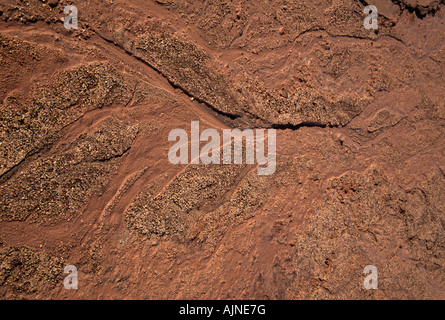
x=85, y=178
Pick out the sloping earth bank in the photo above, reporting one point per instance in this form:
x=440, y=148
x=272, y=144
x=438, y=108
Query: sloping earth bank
x=85, y=178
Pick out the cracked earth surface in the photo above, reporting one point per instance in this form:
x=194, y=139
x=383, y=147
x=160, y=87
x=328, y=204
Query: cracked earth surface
x=85, y=178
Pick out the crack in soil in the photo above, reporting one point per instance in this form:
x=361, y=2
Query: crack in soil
x=230, y=119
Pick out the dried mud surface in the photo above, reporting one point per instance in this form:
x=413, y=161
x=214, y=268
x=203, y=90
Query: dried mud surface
x=85, y=178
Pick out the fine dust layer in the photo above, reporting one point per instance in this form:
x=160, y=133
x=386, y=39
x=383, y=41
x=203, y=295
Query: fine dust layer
x=85, y=178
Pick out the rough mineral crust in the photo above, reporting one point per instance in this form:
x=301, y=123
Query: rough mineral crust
x=85, y=178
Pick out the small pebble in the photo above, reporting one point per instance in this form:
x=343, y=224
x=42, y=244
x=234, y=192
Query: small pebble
x=53, y=3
